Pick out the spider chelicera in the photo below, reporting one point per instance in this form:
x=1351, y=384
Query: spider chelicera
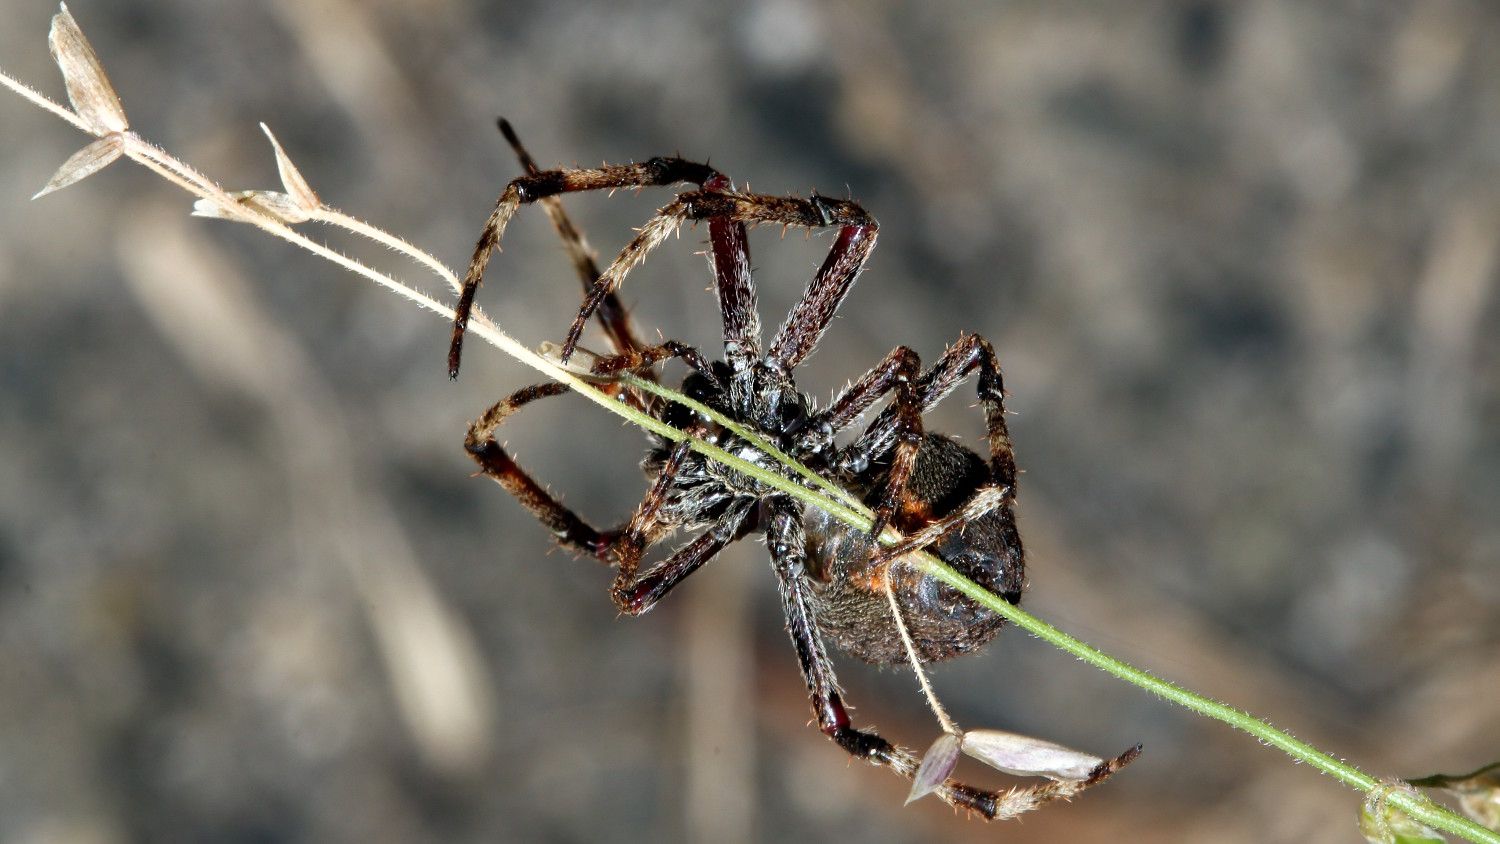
x=833, y=579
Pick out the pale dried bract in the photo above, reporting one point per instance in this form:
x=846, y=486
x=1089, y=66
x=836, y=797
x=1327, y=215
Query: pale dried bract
x=937, y=765
x=274, y=204
x=291, y=178
x=84, y=163
x=93, y=98
x=1027, y=756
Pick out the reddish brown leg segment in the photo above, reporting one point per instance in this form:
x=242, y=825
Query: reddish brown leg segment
x=549, y=183
x=641, y=360
x=730, y=248
x=570, y=529
x=613, y=316
x=971, y=352
x=896, y=372
x=806, y=323
x=803, y=328
x=636, y=595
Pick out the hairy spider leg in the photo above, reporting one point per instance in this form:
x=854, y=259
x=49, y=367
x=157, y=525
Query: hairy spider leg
x=892, y=426
x=621, y=546
x=971, y=352
x=729, y=248
x=985, y=500
x=641, y=360
x=810, y=317
x=613, y=316
x=636, y=593
x=718, y=202
x=549, y=183
x=896, y=373
x=787, y=542
x=734, y=284
x=568, y=527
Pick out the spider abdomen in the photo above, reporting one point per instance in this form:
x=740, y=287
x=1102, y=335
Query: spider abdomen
x=851, y=604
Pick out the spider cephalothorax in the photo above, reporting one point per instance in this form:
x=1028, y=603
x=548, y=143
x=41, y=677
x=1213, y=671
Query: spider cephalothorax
x=834, y=581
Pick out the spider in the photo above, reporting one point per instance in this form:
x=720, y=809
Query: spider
x=832, y=579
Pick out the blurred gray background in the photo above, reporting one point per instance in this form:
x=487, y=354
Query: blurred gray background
x=1238, y=259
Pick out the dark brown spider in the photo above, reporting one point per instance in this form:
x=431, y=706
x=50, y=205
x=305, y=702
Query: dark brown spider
x=832, y=578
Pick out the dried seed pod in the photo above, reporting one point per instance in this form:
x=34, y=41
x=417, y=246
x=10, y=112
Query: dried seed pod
x=84, y=163
x=1030, y=757
x=93, y=98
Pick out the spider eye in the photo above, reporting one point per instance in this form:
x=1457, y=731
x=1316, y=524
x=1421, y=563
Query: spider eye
x=793, y=413
x=697, y=387
x=677, y=416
